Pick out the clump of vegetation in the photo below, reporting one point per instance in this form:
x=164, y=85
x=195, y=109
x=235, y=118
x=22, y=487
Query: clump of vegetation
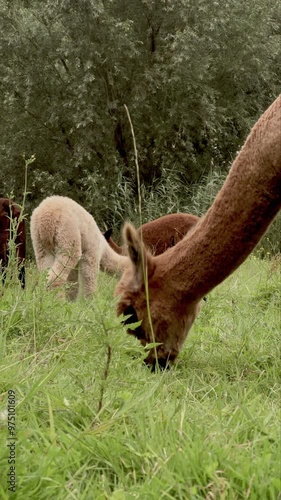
x=91, y=419
x=194, y=77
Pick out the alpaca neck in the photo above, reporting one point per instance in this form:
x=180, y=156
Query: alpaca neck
x=111, y=261
x=239, y=216
x=115, y=247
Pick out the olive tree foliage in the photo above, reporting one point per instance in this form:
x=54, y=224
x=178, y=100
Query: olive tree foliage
x=195, y=75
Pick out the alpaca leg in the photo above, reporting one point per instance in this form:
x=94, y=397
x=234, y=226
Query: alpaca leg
x=73, y=284
x=67, y=250
x=89, y=268
x=44, y=258
x=65, y=262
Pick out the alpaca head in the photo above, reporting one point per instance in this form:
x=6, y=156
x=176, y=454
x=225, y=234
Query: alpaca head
x=9, y=208
x=178, y=279
x=170, y=320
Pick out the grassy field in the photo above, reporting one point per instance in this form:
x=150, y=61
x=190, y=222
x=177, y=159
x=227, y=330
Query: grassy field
x=92, y=422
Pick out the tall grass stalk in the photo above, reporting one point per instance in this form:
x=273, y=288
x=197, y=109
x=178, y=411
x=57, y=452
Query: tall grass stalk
x=143, y=260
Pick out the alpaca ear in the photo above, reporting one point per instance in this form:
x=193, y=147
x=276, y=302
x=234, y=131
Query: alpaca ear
x=133, y=243
x=11, y=208
x=108, y=233
x=16, y=211
x=6, y=204
x=140, y=257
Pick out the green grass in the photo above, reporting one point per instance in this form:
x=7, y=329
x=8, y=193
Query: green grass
x=92, y=422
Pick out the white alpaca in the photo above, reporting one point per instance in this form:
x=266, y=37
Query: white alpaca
x=68, y=242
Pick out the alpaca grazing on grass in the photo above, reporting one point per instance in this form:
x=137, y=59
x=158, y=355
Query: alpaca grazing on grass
x=11, y=223
x=178, y=279
x=160, y=234
x=68, y=242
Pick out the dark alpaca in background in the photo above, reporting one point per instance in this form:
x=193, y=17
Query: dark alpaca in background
x=9, y=222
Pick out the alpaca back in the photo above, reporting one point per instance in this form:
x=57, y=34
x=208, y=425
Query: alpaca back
x=165, y=232
x=68, y=242
x=58, y=220
x=160, y=234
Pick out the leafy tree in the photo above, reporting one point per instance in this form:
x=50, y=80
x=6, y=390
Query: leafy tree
x=194, y=75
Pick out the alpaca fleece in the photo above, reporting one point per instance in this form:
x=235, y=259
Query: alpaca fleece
x=178, y=279
x=68, y=242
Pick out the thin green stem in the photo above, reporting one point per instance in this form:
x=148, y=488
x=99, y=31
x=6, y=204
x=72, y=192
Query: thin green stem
x=144, y=266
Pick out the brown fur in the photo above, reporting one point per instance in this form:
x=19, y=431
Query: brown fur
x=178, y=279
x=8, y=210
x=160, y=234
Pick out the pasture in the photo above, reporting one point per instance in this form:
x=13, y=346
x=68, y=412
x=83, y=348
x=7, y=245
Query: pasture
x=92, y=422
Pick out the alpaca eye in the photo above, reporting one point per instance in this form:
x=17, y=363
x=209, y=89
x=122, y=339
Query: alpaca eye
x=130, y=310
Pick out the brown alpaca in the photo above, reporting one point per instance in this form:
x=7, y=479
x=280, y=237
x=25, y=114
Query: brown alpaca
x=160, y=234
x=8, y=211
x=178, y=279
